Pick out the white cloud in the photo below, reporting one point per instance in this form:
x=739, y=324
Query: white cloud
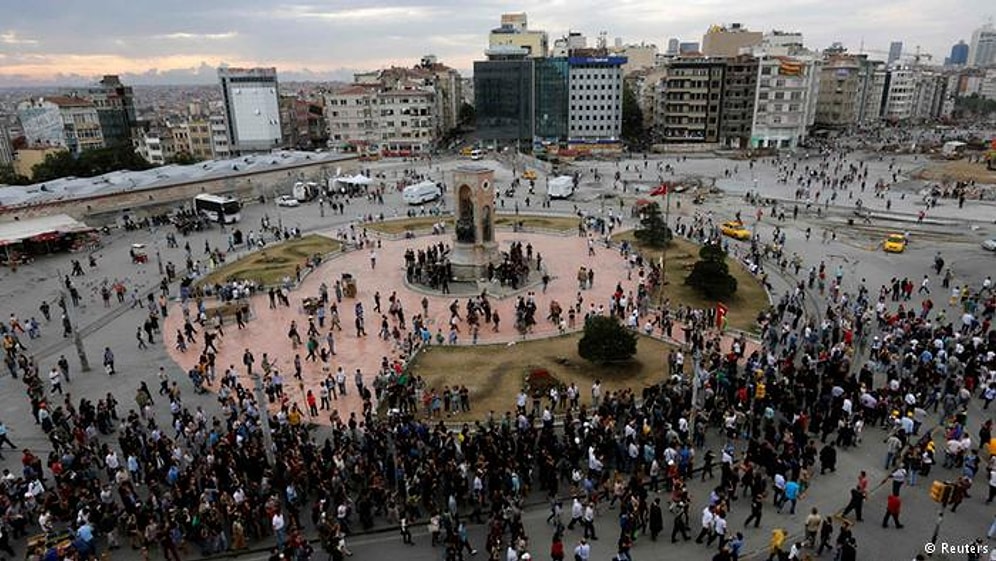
x=183, y=36
x=383, y=14
x=14, y=38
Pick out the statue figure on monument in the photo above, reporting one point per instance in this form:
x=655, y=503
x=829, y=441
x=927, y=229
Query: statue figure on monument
x=465, y=221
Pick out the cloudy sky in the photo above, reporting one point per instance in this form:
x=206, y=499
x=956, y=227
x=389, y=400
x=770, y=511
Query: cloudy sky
x=183, y=41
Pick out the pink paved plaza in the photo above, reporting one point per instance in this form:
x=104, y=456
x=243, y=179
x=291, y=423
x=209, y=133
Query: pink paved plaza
x=267, y=332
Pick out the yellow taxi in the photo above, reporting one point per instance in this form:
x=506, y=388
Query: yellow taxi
x=895, y=243
x=466, y=150
x=529, y=175
x=735, y=230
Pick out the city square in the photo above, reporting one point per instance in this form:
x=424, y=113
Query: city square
x=300, y=282
x=858, y=254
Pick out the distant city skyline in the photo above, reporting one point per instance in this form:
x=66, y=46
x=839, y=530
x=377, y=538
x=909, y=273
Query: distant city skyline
x=48, y=42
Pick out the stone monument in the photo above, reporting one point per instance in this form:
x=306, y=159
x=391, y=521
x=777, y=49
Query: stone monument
x=474, y=246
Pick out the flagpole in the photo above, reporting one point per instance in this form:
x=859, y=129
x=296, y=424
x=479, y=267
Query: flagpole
x=667, y=229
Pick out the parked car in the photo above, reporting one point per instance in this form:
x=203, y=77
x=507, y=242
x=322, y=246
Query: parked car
x=735, y=230
x=989, y=245
x=895, y=243
x=287, y=200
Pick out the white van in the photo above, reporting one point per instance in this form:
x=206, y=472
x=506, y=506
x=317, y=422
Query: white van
x=476, y=154
x=560, y=187
x=423, y=192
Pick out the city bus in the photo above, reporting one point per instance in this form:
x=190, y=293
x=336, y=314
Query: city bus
x=213, y=206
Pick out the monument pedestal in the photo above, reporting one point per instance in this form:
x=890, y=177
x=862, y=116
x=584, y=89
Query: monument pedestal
x=470, y=261
x=474, y=246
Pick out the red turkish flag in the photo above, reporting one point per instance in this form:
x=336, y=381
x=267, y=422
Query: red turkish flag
x=661, y=190
x=721, y=311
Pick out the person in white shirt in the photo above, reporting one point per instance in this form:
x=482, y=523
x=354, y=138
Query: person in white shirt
x=708, y=521
x=583, y=551
x=279, y=529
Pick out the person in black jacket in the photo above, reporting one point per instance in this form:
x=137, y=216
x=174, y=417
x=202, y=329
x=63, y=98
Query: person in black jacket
x=856, y=503
x=656, y=519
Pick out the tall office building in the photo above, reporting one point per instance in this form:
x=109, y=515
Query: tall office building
x=959, y=54
x=672, y=45
x=115, y=104
x=982, y=50
x=252, y=108
x=895, y=51
x=596, y=89
x=503, y=95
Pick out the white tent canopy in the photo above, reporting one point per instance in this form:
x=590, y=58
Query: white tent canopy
x=355, y=180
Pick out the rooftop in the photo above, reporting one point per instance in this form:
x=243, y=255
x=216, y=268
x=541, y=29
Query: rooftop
x=69, y=188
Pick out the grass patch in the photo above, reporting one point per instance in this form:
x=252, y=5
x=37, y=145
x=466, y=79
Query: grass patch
x=274, y=262
x=556, y=223
x=957, y=170
x=494, y=374
x=749, y=300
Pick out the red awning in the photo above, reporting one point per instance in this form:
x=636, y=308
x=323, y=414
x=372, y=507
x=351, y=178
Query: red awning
x=46, y=237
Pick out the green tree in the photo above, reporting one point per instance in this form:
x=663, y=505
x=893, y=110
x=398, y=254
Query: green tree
x=711, y=274
x=632, y=117
x=653, y=231
x=605, y=340
x=90, y=163
x=10, y=177
x=467, y=115
x=182, y=159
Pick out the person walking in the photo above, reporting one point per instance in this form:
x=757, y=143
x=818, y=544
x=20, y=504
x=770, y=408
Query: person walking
x=4, y=436
x=681, y=526
x=892, y=508
x=708, y=520
x=656, y=515
x=756, y=509
x=589, y=521
x=856, y=503
x=55, y=379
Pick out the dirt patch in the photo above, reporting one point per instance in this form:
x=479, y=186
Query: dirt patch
x=495, y=374
x=271, y=264
x=956, y=170
x=749, y=300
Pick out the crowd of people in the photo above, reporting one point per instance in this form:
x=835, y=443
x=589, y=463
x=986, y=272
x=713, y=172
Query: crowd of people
x=763, y=421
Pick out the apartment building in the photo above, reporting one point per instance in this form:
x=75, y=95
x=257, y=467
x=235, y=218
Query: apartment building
x=199, y=131
x=302, y=123
x=690, y=100
x=851, y=89
x=737, y=111
x=67, y=121
x=221, y=147
x=900, y=93
x=374, y=119
x=785, y=105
